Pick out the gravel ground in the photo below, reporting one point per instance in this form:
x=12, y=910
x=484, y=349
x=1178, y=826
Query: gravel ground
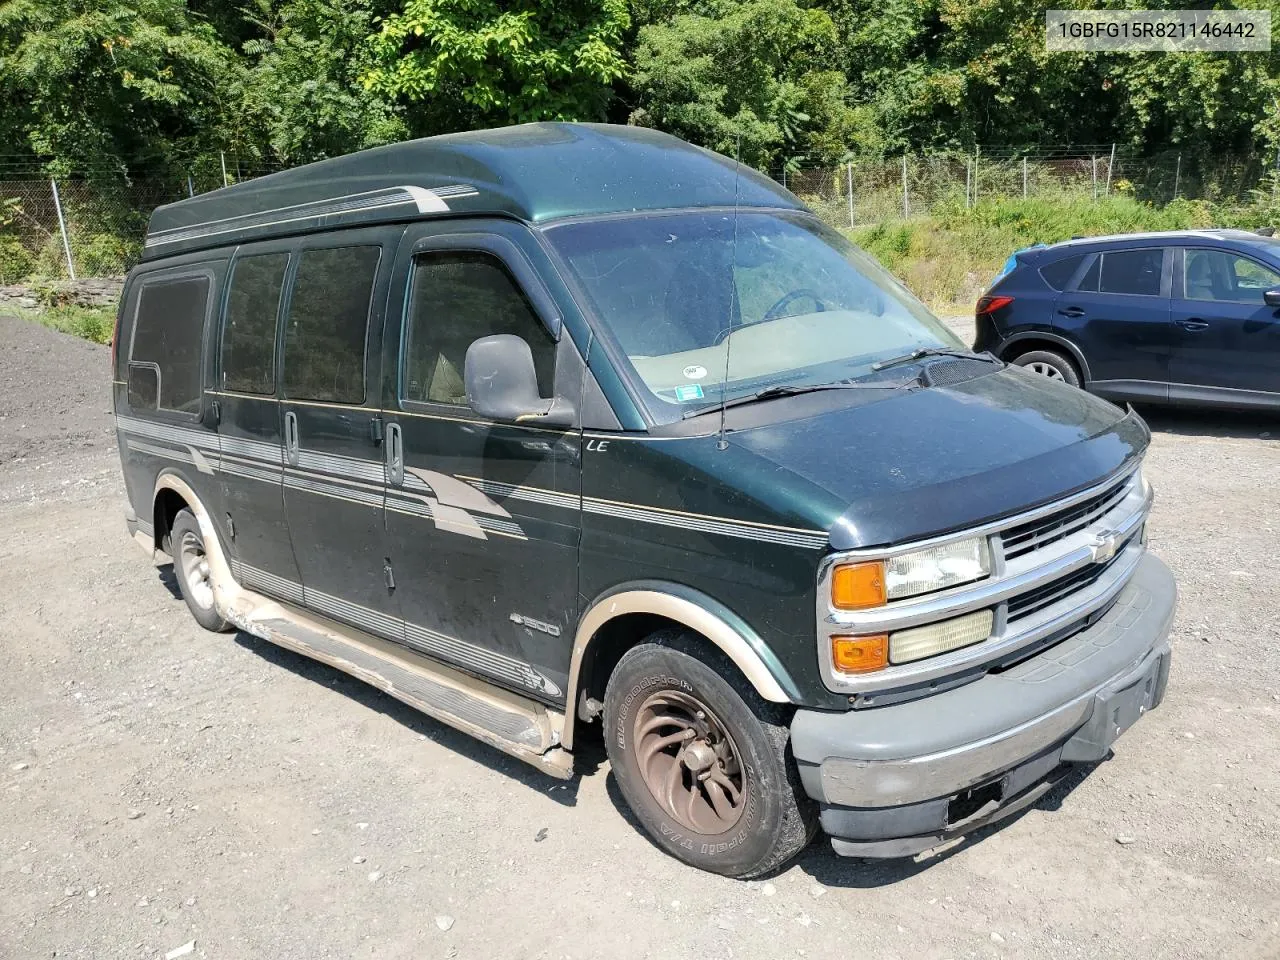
x=163, y=785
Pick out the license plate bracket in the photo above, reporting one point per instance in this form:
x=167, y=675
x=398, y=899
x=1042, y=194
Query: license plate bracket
x=1116, y=708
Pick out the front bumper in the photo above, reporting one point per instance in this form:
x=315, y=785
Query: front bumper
x=895, y=780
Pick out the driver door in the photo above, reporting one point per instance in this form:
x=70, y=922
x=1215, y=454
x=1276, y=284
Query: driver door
x=482, y=518
x=1225, y=336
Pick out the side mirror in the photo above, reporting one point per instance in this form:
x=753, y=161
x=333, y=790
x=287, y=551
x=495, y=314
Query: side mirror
x=502, y=384
x=1272, y=297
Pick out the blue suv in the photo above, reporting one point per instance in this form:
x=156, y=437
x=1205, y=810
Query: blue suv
x=1186, y=317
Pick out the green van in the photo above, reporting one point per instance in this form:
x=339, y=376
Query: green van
x=565, y=432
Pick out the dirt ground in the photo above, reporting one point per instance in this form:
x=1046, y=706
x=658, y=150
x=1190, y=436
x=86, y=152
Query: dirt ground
x=161, y=785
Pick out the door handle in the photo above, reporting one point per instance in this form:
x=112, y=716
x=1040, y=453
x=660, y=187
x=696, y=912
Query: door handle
x=1072, y=312
x=395, y=455
x=1193, y=323
x=291, y=438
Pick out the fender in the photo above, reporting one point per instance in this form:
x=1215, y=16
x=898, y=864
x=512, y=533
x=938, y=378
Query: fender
x=699, y=613
x=1050, y=337
x=225, y=589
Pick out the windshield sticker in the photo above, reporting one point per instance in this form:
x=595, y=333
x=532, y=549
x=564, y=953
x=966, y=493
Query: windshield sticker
x=695, y=372
x=690, y=391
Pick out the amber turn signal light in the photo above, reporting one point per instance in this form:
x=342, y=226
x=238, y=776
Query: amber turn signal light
x=856, y=586
x=860, y=654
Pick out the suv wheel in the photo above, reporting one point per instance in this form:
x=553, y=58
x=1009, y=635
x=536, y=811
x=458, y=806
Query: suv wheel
x=192, y=569
x=702, y=761
x=1051, y=364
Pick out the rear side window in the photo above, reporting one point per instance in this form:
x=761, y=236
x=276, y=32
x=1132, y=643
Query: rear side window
x=1135, y=272
x=249, y=333
x=167, y=337
x=1059, y=273
x=456, y=299
x=324, y=348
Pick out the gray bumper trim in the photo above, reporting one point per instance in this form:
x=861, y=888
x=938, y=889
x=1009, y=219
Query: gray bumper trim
x=948, y=742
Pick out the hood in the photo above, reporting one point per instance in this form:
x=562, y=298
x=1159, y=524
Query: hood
x=935, y=460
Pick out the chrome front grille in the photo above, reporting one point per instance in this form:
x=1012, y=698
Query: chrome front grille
x=1026, y=604
x=1042, y=532
x=1053, y=568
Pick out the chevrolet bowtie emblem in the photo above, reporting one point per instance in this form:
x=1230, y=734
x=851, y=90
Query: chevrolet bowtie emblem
x=1104, y=545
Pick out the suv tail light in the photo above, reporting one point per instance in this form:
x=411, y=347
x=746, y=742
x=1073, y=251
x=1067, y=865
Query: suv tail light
x=989, y=305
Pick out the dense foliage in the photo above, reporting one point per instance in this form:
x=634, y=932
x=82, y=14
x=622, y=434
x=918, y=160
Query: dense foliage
x=158, y=87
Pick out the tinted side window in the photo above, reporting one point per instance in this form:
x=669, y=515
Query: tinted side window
x=1058, y=273
x=328, y=321
x=1089, y=281
x=456, y=299
x=249, y=334
x=1218, y=275
x=1132, y=271
x=168, y=332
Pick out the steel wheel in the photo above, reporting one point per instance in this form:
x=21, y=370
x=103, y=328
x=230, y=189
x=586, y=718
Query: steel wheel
x=1045, y=370
x=689, y=762
x=195, y=570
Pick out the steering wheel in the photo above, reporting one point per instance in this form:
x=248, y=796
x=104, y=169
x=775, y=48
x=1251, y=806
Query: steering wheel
x=776, y=311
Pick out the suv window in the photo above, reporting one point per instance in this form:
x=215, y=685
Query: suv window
x=324, y=348
x=1058, y=273
x=457, y=298
x=168, y=333
x=249, y=333
x=1218, y=275
x=1135, y=272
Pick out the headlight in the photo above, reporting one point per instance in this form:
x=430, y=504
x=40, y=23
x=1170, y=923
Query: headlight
x=850, y=655
x=929, y=641
x=858, y=586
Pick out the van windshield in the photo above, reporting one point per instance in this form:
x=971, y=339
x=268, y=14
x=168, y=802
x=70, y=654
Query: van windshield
x=709, y=305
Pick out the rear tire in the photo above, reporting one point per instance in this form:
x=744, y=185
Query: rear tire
x=191, y=567
x=1050, y=364
x=702, y=760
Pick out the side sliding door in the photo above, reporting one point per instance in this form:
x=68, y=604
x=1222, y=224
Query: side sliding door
x=249, y=423
x=330, y=404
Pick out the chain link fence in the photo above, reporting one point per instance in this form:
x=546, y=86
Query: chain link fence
x=103, y=220
x=868, y=191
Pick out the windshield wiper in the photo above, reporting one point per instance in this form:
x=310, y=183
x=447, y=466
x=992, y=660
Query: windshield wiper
x=931, y=352
x=792, y=390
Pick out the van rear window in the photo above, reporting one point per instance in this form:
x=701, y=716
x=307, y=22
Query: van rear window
x=168, y=331
x=249, y=337
x=328, y=321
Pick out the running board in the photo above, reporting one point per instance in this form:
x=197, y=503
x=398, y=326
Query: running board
x=516, y=725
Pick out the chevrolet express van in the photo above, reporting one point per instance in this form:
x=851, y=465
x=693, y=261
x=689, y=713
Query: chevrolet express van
x=565, y=428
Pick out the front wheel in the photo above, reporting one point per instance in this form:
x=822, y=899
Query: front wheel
x=702, y=761
x=1050, y=364
x=192, y=568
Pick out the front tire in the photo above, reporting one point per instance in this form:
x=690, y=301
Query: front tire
x=191, y=567
x=702, y=761
x=1050, y=364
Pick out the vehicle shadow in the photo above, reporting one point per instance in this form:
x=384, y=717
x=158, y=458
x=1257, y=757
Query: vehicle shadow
x=168, y=577
x=564, y=792
x=821, y=863
x=1190, y=422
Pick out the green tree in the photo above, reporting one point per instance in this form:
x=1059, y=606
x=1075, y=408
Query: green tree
x=300, y=95
x=104, y=86
x=473, y=63
x=752, y=79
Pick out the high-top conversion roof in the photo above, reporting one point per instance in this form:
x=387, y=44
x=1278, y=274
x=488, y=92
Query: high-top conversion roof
x=535, y=172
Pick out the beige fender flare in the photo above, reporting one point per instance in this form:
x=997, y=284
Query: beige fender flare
x=229, y=597
x=697, y=616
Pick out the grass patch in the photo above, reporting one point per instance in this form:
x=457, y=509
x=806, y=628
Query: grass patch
x=947, y=259
x=89, y=323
